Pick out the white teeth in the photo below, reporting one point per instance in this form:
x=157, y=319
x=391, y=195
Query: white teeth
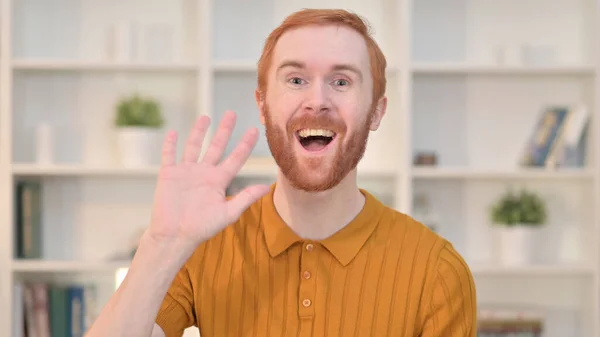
x=315, y=132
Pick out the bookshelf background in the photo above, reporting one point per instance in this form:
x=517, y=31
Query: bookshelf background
x=448, y=93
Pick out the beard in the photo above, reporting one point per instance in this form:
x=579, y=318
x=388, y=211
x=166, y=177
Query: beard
x=317, y=173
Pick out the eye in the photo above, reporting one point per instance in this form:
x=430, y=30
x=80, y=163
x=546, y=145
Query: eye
x=295, y=80
x=341, y=82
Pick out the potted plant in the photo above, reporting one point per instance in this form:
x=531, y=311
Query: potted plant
x=138, y=121
x=517, y=216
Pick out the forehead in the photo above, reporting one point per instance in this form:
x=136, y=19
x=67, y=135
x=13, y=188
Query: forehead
x=321, y=47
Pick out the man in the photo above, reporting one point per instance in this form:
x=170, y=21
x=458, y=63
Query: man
x=311, y=255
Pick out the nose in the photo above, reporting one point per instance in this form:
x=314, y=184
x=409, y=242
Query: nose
x=317, y=99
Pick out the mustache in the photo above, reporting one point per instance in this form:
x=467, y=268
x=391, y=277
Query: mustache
x=321, y=121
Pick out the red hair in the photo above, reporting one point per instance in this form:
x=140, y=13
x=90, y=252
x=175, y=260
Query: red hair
x=326, y=17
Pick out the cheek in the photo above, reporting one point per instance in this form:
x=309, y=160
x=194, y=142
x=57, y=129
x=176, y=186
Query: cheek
x=352, y=112
x=281, y=106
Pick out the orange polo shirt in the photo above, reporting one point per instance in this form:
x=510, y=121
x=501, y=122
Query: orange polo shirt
x=384, y=274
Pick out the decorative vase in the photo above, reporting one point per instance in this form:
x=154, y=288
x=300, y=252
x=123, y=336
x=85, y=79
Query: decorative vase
x=570, y=245
x=123, y=40
x=515, y=245
x=138, y=146
x=44, y=137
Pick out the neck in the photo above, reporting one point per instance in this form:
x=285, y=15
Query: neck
x=318, y=215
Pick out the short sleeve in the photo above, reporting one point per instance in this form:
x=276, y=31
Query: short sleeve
x=176, y=312
x=452, y=307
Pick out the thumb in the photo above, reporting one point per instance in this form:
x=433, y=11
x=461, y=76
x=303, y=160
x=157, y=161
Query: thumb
x=246, y=197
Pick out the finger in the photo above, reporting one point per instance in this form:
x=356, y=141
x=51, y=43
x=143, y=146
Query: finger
x=246, y=197
x=234, y=162
x=169, y=149
x=195, y=140
x=219, y=142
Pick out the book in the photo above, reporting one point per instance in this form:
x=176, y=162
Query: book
x=546, y=135
x=48, y=310
x=28, y=220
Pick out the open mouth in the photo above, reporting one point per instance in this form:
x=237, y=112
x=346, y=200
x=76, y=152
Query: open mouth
x=315, y=139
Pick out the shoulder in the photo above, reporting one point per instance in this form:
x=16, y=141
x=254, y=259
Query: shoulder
x=441, y=255
x=449, y=272
x=447, y=296
x=442, y=265
x=447, y=293
x=410, y=235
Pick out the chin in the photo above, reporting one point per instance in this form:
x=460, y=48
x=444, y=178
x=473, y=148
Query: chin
x=314, y=174
x=312, y=184
x=316, y=164
x=314, y=160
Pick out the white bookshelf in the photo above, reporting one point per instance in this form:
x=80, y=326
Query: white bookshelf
x=447, y=93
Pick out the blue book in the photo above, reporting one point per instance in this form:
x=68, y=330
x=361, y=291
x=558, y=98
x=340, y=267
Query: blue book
x=546, y=134
x=76, y=311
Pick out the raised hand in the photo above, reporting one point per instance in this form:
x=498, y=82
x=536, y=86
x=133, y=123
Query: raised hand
x=190, y=203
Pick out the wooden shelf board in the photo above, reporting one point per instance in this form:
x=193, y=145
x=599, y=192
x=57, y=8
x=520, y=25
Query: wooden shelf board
x=524, y=173
x=31, y=266
x=466, y=69
x=536, y=270
x=83, y=65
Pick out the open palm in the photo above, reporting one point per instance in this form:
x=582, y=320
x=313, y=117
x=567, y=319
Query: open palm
x=190, y=203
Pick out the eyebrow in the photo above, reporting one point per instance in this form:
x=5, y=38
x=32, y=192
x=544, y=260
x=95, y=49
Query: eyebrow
x=336, y=67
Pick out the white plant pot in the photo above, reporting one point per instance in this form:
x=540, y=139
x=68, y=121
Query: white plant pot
x=515, y=245
x=138, y=146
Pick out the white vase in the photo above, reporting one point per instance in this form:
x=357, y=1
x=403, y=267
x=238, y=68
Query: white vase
x=515, y=245
x=44, y=137
x=570, y=245
x=138, y=146
x=123, y=41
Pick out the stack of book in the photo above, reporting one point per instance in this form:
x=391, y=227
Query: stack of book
x=509, y=324
x=49, y=310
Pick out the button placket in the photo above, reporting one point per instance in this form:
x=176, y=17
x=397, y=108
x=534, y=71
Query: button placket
x=307, y=291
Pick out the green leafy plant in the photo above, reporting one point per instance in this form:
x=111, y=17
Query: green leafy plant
x=137, y=111
x=519, y=209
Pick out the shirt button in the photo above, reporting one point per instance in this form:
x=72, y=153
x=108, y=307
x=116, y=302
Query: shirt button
x=306, y=275
x=309, y=247
x=306, y=303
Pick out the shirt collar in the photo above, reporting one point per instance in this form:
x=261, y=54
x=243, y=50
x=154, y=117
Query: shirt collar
x=344, y=245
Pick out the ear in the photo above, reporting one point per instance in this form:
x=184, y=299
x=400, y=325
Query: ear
x=379, y=112
x=260, y=103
